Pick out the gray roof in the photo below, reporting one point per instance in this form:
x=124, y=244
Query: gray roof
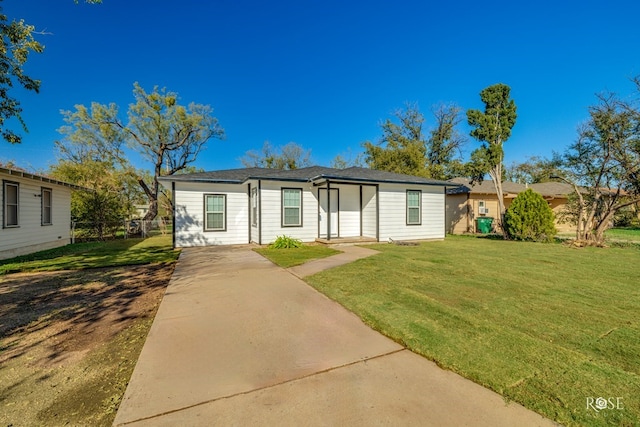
x=552, y=188
x=547, y=189
x=309, y=174
x=484, y=187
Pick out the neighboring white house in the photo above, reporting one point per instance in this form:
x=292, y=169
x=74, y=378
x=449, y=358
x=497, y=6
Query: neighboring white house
x=240, y=206
x=35, y=214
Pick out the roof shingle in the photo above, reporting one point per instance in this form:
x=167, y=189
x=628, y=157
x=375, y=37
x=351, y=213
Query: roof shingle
x=312, y=173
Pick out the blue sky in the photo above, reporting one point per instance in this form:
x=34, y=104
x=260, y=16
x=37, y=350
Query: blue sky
x=324, y=74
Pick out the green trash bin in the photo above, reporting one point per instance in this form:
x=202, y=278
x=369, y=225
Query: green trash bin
x=484, y=224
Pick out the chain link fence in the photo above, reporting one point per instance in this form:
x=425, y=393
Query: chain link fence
x=124, y=229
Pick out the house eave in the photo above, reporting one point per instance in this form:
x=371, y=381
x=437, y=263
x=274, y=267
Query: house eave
x=320, y=179
x=34, y=177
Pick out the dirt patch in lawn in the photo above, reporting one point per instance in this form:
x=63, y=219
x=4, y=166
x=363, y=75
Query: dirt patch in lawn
x=69, y=341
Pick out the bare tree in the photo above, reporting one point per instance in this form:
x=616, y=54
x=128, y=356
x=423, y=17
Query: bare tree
x=289, y=156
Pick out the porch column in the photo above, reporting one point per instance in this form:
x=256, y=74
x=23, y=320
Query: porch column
x=361, y=209
x=377, y=212
x=328, y=210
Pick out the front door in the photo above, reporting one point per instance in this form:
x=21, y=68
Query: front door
x=323, y=212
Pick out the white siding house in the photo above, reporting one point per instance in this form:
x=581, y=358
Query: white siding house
x=35, y=214
x=255, y=205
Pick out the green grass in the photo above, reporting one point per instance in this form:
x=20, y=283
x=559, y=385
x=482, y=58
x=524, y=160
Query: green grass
x=542, y=324
x=295, y=256
x=94, y=255
x=624, y=233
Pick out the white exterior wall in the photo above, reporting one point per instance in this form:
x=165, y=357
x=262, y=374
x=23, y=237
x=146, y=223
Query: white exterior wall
x=390, y=203
x=369, y=211
x=349, y=213
x=271, y=197
x=393, y=222
x=189, y=216
x=254, y=237
x=31, y=235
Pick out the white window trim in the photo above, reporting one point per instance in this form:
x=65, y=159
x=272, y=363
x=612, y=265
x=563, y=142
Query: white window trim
x=44, y=190
x=224, y=213
x=419, y=207
x=299, y=207
x=6, y=184
x=254, y=206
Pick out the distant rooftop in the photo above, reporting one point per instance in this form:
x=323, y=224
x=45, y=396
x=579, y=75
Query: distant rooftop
x=547, y=189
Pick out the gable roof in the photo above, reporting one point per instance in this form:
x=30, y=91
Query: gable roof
x=41, y=178
x=546, y=189
x=552, y=189
x=314, y=174
x=484, y=187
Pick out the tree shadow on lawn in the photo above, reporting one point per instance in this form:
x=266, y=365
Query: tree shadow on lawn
x=69, y=308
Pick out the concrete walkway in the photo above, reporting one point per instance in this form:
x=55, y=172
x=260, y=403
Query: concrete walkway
x=349, y=254
x=238, y=341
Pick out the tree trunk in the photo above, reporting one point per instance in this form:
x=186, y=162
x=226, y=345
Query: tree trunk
x=153, y=199
x=496, y=176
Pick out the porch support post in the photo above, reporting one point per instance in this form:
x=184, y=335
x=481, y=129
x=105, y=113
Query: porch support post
x=377, y=212
x=328, y=210
x=259, y=212
x=173, y=204
x=361, y=209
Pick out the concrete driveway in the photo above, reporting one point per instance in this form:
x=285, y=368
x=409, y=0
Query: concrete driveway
x=240, y=341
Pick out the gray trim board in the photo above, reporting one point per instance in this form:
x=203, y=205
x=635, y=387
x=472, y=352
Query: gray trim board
x=173, y=203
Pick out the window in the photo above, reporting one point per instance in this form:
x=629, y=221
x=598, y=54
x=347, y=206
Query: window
x=482, y=208
x=45, y=194
x=254, y=206
x=291, y=207
x=414, y=207
x=215, y=212
x=11, y=204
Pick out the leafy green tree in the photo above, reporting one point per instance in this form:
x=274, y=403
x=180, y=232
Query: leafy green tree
x=165, y=133
x=109, y=198
x=604, y=166
x=529, y=217
x=402, y=147
x=445, y=143
x=533, y=170
x=89, y=136
x=289, y=156
x=17, y=42
x=405, y=148
x=347, y=160
x=492, y=127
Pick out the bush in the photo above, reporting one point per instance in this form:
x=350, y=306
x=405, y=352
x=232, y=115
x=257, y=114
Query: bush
x=626, y=217
x=530, y=218
x=285, y=242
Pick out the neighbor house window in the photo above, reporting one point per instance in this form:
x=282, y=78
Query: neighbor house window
x=254, y=206
x=414, y=207
x=215, y=212
x=45, y=194
x=482, y=207
x=11, y=204
x=291, y=207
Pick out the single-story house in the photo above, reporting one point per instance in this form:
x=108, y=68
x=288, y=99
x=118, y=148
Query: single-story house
x=557, y=195
x=35, y=214
x=466, y=203
x=256, y=205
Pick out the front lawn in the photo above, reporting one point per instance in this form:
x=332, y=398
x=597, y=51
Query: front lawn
x=623, y=233
x=545, y=325
x=94, y=255
x=290, y=257
x=69, y=340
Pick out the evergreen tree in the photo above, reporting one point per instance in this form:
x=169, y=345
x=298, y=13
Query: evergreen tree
x=529, y=218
